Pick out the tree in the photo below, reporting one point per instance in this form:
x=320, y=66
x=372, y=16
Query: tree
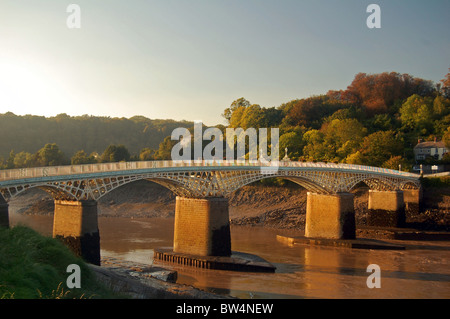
x=382, y=122
x=343, y=137
x=311, y=111
x=271, y=117
x=164, y=151
x=314, y=150
x=446, y=138
x=441, y=106
x=146, y=154
x=115, y=153
x=252, y=116
x=395, y=162
x=235, y=105
x=293, y=141
x=445, y=89
x=416, y=115
x=379, y=92
x=379, y=147
x=23, y=159
x=81, y=157
x=355, y=158
x=10, y=160
x=50, y=155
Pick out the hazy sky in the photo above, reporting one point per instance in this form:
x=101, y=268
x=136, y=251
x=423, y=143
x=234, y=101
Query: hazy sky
x=189, y=59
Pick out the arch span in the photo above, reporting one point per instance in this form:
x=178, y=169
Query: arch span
x=55, y=191
x=303, y=182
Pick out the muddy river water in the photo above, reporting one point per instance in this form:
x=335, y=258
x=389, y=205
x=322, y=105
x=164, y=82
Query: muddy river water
x=422, y=270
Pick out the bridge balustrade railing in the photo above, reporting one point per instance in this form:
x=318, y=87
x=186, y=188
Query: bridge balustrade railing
x=36, y=172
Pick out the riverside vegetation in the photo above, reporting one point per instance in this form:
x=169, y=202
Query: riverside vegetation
x=33, y=266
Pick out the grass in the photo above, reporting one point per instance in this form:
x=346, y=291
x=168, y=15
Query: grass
x=33, y=266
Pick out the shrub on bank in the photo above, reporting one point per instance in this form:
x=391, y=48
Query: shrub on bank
x=33, y=266
x=443, y=181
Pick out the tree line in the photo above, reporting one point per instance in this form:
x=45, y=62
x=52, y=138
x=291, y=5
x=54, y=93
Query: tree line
x=376, y=121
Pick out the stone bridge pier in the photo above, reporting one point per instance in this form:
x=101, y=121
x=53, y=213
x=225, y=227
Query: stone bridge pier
x=333, y=216
x=389, y=208
x=75, y=223
x=330, y=216
x=202, y=226
x=386, y=208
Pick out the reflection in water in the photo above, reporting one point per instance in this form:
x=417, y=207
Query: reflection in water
x=420, y=271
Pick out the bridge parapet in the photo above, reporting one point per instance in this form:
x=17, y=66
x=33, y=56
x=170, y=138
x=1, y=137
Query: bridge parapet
x=198, y=179
x=36, y=172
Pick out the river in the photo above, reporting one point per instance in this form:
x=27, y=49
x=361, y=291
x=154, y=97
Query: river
x=303, y=271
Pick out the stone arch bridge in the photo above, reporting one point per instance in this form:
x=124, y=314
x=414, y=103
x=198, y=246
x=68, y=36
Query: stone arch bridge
x=201, y=188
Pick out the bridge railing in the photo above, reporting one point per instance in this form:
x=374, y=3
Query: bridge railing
x=36, y=172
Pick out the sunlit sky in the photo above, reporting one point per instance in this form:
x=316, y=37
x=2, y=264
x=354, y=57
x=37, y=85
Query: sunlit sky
x=190, y=59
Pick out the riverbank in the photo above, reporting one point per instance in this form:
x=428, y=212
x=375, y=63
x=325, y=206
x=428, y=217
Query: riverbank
x=281, y=207
x=33, y=266
x=141, y=281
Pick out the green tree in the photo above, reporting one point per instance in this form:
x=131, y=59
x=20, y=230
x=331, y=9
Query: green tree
x=81, y=157
x=10, y=160
x=355, y=158
x=379, y=147
x=146, y=154
x=164, y=151
x=252, y=116
x=239, y=103
x=395, y=162
x=343, y=137
x=50, y=155
x=446, y=138
x=315, y=149
x=115, y=153
x=417, y=114
x=293, y=141
x=23, y=159
x=382, y=122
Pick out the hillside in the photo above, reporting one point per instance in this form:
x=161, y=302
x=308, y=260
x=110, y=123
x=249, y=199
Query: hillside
x=89, y=133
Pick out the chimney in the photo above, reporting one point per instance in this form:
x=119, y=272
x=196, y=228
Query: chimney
x=419, y=141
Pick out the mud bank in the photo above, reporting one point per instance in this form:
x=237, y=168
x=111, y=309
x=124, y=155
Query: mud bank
x=138, y=281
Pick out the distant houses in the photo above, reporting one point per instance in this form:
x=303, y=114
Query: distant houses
x=434, y=149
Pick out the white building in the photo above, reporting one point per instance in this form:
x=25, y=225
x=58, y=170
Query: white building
x=433, y=149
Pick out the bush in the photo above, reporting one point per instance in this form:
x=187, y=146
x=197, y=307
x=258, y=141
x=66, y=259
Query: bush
x=436, y=181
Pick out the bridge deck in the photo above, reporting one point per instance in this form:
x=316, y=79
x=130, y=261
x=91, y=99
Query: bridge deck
x=108, y=169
